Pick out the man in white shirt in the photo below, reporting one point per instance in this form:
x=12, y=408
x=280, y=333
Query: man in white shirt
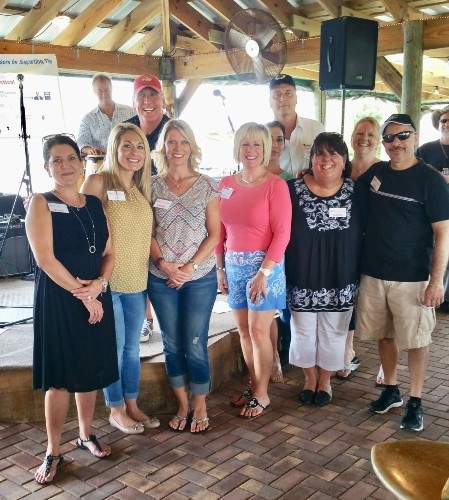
x=299, y=132
x=96, y=126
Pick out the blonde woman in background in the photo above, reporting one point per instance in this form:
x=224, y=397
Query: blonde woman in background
x=365, y=140
x=123, y=185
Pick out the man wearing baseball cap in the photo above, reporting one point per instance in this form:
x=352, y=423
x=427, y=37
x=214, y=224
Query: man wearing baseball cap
x=299, y=132
x=406, y=249
x=150, y=104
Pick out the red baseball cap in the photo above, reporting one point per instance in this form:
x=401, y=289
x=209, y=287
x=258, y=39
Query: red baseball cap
x=144, y=81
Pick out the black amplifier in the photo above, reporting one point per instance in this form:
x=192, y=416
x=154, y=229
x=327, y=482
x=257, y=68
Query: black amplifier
x=15, y=255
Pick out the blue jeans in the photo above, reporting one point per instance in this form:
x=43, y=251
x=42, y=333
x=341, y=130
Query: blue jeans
x=129, y=313
x=184, y=317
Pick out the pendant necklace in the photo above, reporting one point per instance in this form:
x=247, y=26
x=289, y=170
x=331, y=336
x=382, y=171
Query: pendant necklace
x=246, y=181
x=73, y=210
x=92, y=247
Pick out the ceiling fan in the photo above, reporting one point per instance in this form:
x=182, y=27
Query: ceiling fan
x=255, y=45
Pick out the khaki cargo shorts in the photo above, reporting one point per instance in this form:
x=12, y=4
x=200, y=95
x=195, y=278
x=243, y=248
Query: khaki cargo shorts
x=393, y=309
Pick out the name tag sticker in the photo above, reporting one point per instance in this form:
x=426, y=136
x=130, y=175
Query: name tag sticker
x=375, y=183
x=58, y=207
x=161, y=203
x=226, y=193
x=336, y=212
x=116, y=196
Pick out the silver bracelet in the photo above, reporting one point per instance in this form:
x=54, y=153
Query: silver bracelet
x=221, y=269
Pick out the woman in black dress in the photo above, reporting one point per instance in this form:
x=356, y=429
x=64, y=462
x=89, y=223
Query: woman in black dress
x=321, y=263
x=74, y=337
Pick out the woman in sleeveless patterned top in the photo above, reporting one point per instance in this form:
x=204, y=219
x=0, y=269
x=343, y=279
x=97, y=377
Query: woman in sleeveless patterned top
x=73, y=318
x=124, y=187
x=182, y=283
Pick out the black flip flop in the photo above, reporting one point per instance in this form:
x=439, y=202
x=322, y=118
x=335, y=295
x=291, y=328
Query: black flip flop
x=251, y=405
x=91, y=439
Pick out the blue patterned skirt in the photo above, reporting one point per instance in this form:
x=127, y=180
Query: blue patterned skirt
x=241, y=267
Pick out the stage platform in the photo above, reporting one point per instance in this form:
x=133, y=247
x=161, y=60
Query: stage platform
x=18, y=402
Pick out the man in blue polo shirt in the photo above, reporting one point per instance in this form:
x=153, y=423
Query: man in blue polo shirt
x=406, y=204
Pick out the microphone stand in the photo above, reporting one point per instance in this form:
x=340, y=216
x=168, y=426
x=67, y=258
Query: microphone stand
x=26, y=176
x=217, y=93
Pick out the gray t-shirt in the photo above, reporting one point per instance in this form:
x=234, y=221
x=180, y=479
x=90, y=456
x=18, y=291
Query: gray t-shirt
x=180, y=222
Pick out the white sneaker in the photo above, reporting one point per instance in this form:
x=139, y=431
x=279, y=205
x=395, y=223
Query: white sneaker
x=147, y=330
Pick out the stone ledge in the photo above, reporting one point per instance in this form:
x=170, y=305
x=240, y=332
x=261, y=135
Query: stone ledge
x=20, y=403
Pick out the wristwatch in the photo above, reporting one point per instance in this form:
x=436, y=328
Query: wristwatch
x=104, y=284
x=266, y=272
x=194, y=264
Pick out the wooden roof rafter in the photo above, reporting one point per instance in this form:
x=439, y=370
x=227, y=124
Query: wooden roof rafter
x=148, y=44
x=135, y=21
x=188, y=16
x=83, y=24
x=37, y=17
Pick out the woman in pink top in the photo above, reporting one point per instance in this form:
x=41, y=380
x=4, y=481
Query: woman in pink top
x=255, y=211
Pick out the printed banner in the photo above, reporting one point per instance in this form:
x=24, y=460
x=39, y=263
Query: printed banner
x=43, y=111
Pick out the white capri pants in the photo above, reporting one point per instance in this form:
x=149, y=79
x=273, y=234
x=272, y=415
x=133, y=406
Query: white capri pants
x=319, y=339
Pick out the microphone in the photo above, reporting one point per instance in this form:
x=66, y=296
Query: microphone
x=217, y=93
x=20, y=80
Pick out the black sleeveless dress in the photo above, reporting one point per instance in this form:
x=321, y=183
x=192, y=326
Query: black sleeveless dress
x=69, y=353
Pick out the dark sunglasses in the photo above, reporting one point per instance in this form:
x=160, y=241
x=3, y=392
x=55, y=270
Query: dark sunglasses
x=47, y=137
x=444, y=120
x=402, y=136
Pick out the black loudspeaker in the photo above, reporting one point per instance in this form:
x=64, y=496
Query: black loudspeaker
x=348, y=53
x=15, y=257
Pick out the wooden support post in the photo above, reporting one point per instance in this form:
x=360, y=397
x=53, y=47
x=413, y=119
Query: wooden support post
x=186, y=94
x=320, y=103
x=168, y=85
x=412, y=74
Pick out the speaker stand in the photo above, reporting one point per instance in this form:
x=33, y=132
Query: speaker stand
x=343, y=105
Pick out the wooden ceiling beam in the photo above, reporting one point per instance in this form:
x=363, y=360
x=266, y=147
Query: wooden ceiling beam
x=148, y=44
x=389, y=75
x=188, y=16
x=193, y=44
x=83, y=60
x=85, y=22
x=400, y=10
x=187, y=93
x=331, y=6
x=129, y=26
x=301, y=23
x=165, y=21
x=281, y=10
x=225, y=8
x=32, y=22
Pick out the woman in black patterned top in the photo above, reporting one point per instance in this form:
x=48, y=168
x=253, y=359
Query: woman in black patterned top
x=322, y=265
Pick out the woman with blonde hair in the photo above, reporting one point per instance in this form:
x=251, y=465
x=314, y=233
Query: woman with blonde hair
x=365, y=140
x=255, y=212
x=123, y=185
x=182, y=282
